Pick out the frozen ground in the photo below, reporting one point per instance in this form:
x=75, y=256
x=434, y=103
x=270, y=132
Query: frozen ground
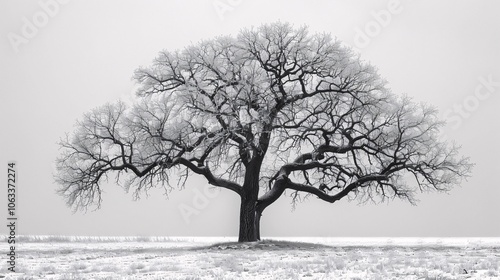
x=49, y=257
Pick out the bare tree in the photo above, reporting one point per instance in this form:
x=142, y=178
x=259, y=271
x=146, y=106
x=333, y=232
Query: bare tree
x=271, y=110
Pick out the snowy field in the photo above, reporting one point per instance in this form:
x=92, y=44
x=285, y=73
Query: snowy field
x=53, y=257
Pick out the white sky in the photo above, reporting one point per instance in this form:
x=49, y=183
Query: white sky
x=85, y=53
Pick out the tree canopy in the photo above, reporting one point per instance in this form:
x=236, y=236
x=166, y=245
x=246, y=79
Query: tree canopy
x=272, y=109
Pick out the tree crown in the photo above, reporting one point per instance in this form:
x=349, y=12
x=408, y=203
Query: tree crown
x=303, y=110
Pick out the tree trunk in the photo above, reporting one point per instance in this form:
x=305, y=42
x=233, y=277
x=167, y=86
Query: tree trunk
x=248, y=221
x=249, y=228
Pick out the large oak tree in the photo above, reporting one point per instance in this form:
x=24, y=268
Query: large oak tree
x=272, y=109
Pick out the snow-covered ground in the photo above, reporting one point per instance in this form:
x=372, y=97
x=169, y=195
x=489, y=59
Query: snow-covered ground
x=49, y=257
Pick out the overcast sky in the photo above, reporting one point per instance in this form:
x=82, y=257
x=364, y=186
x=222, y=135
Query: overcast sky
x=59, y=59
